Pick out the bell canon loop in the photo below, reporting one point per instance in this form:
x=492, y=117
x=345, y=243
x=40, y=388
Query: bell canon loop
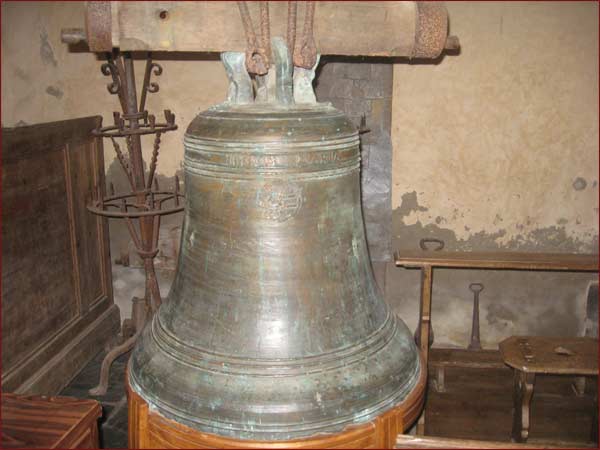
x=274, y=328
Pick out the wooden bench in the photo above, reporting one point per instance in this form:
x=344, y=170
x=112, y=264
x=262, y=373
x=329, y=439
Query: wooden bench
x=49, y=422
x=426, y=261
x=533, y=355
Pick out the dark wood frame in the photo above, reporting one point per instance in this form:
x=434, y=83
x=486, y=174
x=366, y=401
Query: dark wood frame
x=47, y=364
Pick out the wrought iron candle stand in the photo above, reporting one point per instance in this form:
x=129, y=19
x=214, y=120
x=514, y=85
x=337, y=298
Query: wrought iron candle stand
x=143, y=206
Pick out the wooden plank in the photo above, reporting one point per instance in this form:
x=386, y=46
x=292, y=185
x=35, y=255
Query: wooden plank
x=552, y=355
x=480, y=359
x=382, y=28
x=56, y=278
x=366, y=28
x=406, y=441
x=425, y=313
x=499, y=260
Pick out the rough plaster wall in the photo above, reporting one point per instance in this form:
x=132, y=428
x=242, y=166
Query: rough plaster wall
x=493, y=140
x=497, y=149
x=43, y=81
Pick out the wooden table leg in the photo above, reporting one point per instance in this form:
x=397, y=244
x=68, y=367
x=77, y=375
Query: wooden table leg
x=579, y=386
x=425, y=324
x=425, y=319
x=522, y=394
x=440, y=385
x=594, y=431
x=421, y=425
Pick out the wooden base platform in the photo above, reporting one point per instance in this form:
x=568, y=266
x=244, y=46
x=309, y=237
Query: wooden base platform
x=149, y=429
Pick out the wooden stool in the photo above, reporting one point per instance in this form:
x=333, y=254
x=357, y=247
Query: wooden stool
x=531, y=355
x=49, y=422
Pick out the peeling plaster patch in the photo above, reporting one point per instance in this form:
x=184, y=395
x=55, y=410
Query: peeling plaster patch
x=550, y=322
x=21, y=74
x=579, y=184
x=409, y=227
x=408, y=236
x=553, y=239
x=498, y=313
x=46, y=52
x=54, y=91
x=550, y=239
x=456, y=214
x=409, y=204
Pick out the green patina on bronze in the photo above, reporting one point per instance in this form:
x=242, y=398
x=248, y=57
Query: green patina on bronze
x=274, y=328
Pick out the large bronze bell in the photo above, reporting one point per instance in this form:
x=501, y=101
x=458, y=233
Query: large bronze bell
x=274, y=328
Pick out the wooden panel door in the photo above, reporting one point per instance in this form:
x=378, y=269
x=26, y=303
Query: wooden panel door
x=57, y=305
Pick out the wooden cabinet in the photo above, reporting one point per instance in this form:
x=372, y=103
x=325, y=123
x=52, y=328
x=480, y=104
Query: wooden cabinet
x=57, y=304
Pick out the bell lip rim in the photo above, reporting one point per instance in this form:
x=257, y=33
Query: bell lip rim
x=398, y=388
x=411, y=393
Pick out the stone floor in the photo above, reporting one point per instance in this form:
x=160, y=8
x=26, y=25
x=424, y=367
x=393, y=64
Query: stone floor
x=113, y=424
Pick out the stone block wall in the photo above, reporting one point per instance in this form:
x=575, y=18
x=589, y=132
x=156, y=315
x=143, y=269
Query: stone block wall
x=364, y=89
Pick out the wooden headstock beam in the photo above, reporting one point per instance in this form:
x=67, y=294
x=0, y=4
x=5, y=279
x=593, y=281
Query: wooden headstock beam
x=366, y=28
